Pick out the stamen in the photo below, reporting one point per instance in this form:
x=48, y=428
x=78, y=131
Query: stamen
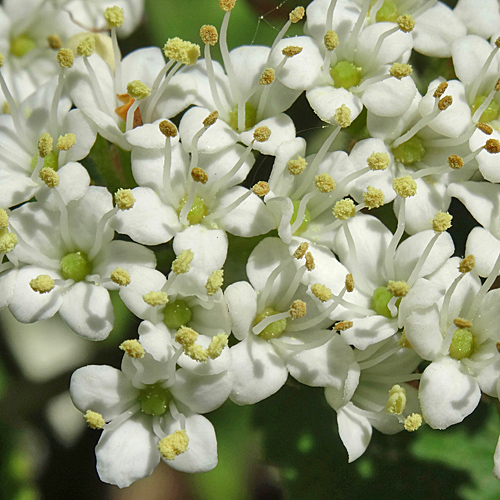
x=321, y=292
x=86, y=47
x=462, y=323
x=324, y=183
x=54, y=41
x=441, y=222
x=42, y=284
x=138, y=91
x=261, y=188
x=301, y=250
x=115, y=19
x=297, y=166
x=94, y=420
x=396, y=403
x=45, y=144
x=182, y=263
x=173, y=445
x=199, y=175
x=342, y=326
x=467, y=264
x=297, y=309
x=413, y=422
x=124, y=199
x=49, y=177
x=217, y=345
x=344, y=209
x=399, y=71
x=405, y=186
x=4, y=219
x=373, y=198
x=120, y=277
x=210, y=37
x=482, y=73
x=398, y=288
x=132, y=348
x=66, y=142
x=331, y=40
x=215, y=282
x=310, y=265
x=291, y=51
x=65, y=58
x=262, y=134
x=349, y=283
x=154, y=299
x=169, y=130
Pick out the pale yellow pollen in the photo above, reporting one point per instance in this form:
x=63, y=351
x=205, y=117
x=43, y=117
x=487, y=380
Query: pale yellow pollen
x=49, y=177
x=324, y=183
x=413, y=422
x=398, y=288
x=261, y=188
x=262, y=134
x=405, y=23
x=297, y=14
x=4, y=219
x=485, y=128
x=378, y=161
x=65, y=58
x=215, y=282
x=86, y=47
x=297, y=309
x=445, y=102
x=404, y=342
x=155, y=298
x=396, y=403
x=186, y=336
x=42, y=284
x=400, y=70
x=440, y=90
x=455, y=162
x=94, y=420
x=467, y=264
x=54, y=41
x=6, y=108
x=349, y=283
x=181, y=264
x=217, y=345
x=405, y=186
x=498, y=346
x=344, y=209
x=173, y=445
x=301, y=250
x=132, y=348
x=267, y=76
x=343, y=116
x=45, y=144
x=342, y=326
x=310, y=265
x=114, y=17
x=227, y=5
x=138, y=90
x=211, y=119
x=297, y=166
x=66, y=142
x=321, y=292
x=209, y=35
x=7, y=242
x=180, y=51
x=124, y=199
x=331, y=40
x=196, y=353
x=497, y=42
x=199, y=175
x=291, y=50
x=441, y=222
x=120, y=277
x=373, y=197
x=462, y=323
x=168, y=129
x=492, y=146
x=2, y=59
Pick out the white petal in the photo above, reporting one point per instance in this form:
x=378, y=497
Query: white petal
x=390, y=97
x=355, y=431
x=241, y=300
x=325, y=101
x=485, y=248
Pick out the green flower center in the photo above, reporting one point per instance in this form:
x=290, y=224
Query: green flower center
x=50, y=161
x=490, y=113
x=176, y=314
x=154, y=399
x=380, y=299
x=305, y=220
x=388, y=12
x=463, y=344
x=75, y=266
x=21, y=45
x=345, y=74
x=197, y=212
x=409, y=152
x=250, y=117
x=275, y=329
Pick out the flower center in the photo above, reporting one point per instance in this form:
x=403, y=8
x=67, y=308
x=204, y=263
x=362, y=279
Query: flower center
x=275, y=329
x=250, y=117
x=388, y=12
x=463, y=344
x=75, y=266
x=154, y=399
x=490, y=113
x=176, y=314
x=409, y=152
x=380, y=299
x=197, y=212
x=345, y=74
x=305, y=220
x=21, y=45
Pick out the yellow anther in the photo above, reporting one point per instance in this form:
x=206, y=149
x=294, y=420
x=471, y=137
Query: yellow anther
x=324, y=183
x=132, y=348
x=331, y=40
x=445, y=102
x=441, y=222
x=196, y=353
x=297, y=166
x=343, y=116
x=180, y=51
x=349, y=283
x=378, y=161
x=497, y=345
x=217, y=345
x=209, y=35
x=261, y=188
x=4, y=219
x=342, y=326
x=54, y=41
x=124, y=199
x=42, y=284
x=400, y=70
x=291, y=50
x=155, y=298
x=168, y=129
x=94, y=420
x=66, y=142
x=462, y=323
x=373, y=198
x=186, y=336
x=138, y=90
x=65, y=58
x=297, y=14
x=297, y=309
x=492, y=146
x=405, y=23
x=404, y=342
x=321, y=292
x=267, y=76
x=467, y=264
x=497, y=42
x=227, y=5
x=485, y=128
x=344, y=209
x=49, y=177
x=413, y=422
x=310, y=265
x=181, y=264
x=215, y=282
x=120, y=277
x=301, y=250
x=8, y=242
x=497, y=85
x=173, y=445
x=405, y=186
x=396, y=403
x=86, y=47
x=199, y=175
x=456, y=162
x=6, y=108
x=262, y=134
x=440, y=90
x=2, y=59
x=45, y=144
x=398, y=288
x=114, y=17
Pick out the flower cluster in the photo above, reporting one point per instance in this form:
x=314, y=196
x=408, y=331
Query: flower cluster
x=397, y=330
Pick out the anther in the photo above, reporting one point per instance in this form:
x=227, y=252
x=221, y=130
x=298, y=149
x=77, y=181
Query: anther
x=180, y=51
x=301, y=250
x=349, y=283
x=441, y=222
x=168, y=129
x=331, y=40
x=373, y=198
x=262, y=134
x=196, y=353
x=94, y=420
x=398, y=288
x=297, y=166
x=462, y=323
x=54, y=41
x=65, y=58
x=227, y=5
x=498, y=346
x=138, y=90
x=440, y=90
x=404, y=342
x=405, y=23
x=456, y=162
x=132, y=348
x=2, y=59
x=66, y=142
x=217, y=345
x=211, y=119
x=297, y=309
x=343, y=116
x=321, y=292
x=7, y=243
x=114, y=17
x=342, y=326
x=4, y=219
x=310, y=265
x=324, y=183
x=267, y=77
x=86, y=47
x=344, y=209
x=396, y=403
x=42, y=284
x=492, y=146
x=182, y=263
x=445, y=102
x=49, y=177
x=413, y=422
x=155, y=298
x=186, y=336
x=291, y=51
x=405, y=186
x=261, y=188
x=45, y=144
x=199, y=175
x=174, y=444
x=209, y=35
x=120, y=277
x=467, y=264
x=297, y=14
x=215, y=282
x=400, y=70
x=485, y=128
x=124, y=199
x=378, y=161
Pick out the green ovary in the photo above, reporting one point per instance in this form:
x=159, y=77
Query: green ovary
x=380, y=299
x=21, y=45
x=197, y=212
x=50, y=161
x=75, y=266
x=463, y=344
x=490, y=113
x=250, y=117
x=388, y=12
x=305, y=220
x=154, y=399
x=274, y=330
x=176, y=314
x=409, y=152
x=345, y=74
